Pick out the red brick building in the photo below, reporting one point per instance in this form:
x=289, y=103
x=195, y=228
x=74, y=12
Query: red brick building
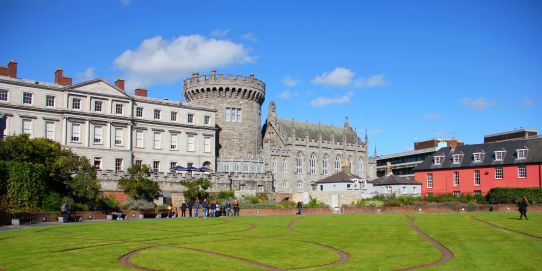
x=477, y=168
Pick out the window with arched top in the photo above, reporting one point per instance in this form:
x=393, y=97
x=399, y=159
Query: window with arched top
x=312, y=164
x=284, y=166
x=299, y=163
x=325, y=164
x=360, y=167
x=338, y=163
x=351, y=163
x=284, y=184
x=299, y=184
x=274, y=164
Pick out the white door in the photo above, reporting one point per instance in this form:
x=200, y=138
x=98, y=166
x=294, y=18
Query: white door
x=335, y=203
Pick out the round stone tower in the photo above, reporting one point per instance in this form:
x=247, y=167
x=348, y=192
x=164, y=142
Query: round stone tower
x=238, y=101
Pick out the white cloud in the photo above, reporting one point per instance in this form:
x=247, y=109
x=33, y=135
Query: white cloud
x=371, y=82
x=249, y=37
x=478, y=104
x=339, y=77
x=432, y=116
x=289, y=81
x=88, y=74
x=157, y=60
x=527, y=102
x=374, y=131
x=220, y=33
x=324, y=101
x=125, y=2
x=287, y=94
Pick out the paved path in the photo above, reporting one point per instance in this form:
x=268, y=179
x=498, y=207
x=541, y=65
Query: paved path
x=507, y=229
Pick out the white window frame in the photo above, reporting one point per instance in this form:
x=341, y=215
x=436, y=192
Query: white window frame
x=325, y=165
x=157, y=140
x=360, y=167
x=522, y=172
x=172, y=165
x=156, y=166
x=50, y=133
x=119, y=164
x=139, y=112
x=76, y=103
x=98, y=134
x=99, y=160
x=173, y=116
x=190, y=143
x=299, y=163
x=338, y=159
x=27, y=126
x=478, y=157
x=429, y=183
x=76, y=133
x=50, y=101
x=456, y=178
x=190, y=118
x=98, y=106
x=456, y=158
x=499, y=155
x=438, y=159
x=299, y=184
x=312, y=164
x=477, y=177
x=28, y=98
x=522, y=153
x=207, y=144
x=140, y=139
x=157, y=114
x=274, y=165
x=4, y=95
x=119, y=109
x=207, y=120
x=119, y=134
x=284, y=184
x=284, y=166
x=174, y=142
x=499, y=173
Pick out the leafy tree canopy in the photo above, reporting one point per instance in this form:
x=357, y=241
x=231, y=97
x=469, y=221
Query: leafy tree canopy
x=196, y=188
x=138, y=186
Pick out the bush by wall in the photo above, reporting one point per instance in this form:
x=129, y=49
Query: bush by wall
x=513, y=195
x=25, y=186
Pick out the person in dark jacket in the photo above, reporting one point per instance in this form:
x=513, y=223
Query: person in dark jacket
x=213, y=208
x=205, y=206
x=190, y=206
x=299, y=207
x=523, y=207
x=183, y=209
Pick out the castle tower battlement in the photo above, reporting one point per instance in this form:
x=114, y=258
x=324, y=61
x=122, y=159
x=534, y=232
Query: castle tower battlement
x=238, y=101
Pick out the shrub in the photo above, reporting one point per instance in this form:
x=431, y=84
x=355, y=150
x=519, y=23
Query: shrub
x=137, y=204
x=52, y=202
x=287, y=204
x=369, y=203
x=108, y=204
x=224, y=195
x=25, y=186
x=513, y=195
x=392, y=203
x=314, y=203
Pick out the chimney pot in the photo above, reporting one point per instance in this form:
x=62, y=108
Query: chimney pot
x=10, y=70
x=141, y=92
x=120, y=83
x=60, y=79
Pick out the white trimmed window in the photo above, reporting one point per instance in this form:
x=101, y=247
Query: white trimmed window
x=156, y=114
x=172, y=165
x=360, y=167
x=157, y=140
x=139, y=112
x=337, y=164
x=139, y=162
x=522, y=172
x=456, y=178
x=173, y=116
x=387, y=189
x=118, y=109
x=118, y=136
x=312, y=164
x=233, y=114
x=190, y=118
x=27, y=98
x=299, y=184
x=478, y=156
x=299, y=163
x=206, y=120
x=76, y=103
x=50, y=130
x=456, y=158
x=522, y=153
x=284, y=184
x=76, y=132
x=350, y=164
x=325, y=165
x=274, y=164
x=50, y=101
x=284, y=166
x=498, y=173
x=3, y=95
x=207, y=144
x=429, y=180
x=260, y=188
x=156, y=166
x=190, y=143
x=499, y=155
x=98, y=162
x=118, y=164
x=438, y=159
x=27, y=127
x=98, y=106
x=140, y=141
x=98, y=134
x=477, y=177
x=174, y=140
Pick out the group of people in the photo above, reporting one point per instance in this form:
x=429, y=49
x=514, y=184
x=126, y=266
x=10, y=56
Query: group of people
x=212, y=208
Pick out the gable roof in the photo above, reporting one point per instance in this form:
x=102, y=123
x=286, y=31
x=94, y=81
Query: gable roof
x=393, y=180
x=99, y=86
x=314, y=130
x=533, y=146
x=340, y=177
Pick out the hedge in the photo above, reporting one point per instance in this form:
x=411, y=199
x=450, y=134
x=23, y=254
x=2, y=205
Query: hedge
x=25, y=186
x=513, y=195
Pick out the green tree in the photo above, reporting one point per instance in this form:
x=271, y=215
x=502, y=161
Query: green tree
x=25, y=186
x=137, y=185
x=196, y=188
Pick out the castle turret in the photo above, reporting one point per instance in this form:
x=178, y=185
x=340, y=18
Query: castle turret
x=238, y=102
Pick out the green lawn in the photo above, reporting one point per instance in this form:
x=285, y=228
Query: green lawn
x=370, y=242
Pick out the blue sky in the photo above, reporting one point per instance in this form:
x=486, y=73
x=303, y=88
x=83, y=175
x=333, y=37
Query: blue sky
x=403, y=70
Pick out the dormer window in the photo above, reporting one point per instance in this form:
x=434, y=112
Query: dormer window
x=499, y=155
x=522, y=153
x=478, y=156
x=438, y=159
x=457, y=158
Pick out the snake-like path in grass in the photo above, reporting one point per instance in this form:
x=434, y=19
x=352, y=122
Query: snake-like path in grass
x=507, y=229
x=446, y=254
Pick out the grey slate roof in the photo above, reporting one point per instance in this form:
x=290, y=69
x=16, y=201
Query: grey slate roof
x=533, y=146
x=340, y=177
x=315, y=129
x=393, y=180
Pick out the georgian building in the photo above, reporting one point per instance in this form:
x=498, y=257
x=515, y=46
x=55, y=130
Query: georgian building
x=477, y=168
x=112, y=128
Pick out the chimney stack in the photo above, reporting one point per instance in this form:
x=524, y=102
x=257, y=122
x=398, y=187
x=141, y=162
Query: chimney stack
x=453, y=143
x=141, y=92
x=62, y=80
x=10, y=70
x=120, y=83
